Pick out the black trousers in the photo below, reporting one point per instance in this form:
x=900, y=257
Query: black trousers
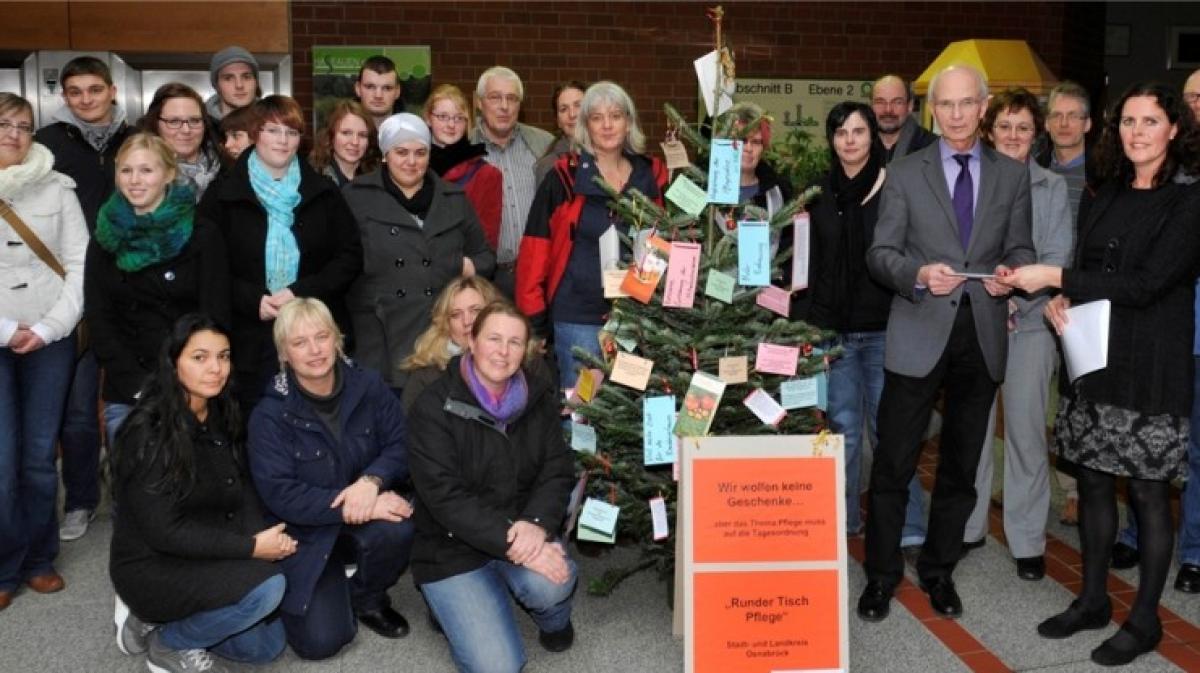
x=904, y=412
x=381, y=551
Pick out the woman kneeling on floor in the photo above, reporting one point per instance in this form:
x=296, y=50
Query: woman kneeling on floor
x=326, y=445
x=492, y=475
x=190, y=550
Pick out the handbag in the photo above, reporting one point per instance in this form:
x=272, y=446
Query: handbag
x=43, y=253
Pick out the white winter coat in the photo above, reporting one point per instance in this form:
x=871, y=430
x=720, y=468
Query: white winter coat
x=30, y=292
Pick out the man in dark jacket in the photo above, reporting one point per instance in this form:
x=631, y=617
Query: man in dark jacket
x=84, y=137
x=892, y=101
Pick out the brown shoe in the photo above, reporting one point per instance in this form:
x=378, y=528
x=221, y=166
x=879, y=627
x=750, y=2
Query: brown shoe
x=5, y=599
x=1070, y=512
x=46, y=584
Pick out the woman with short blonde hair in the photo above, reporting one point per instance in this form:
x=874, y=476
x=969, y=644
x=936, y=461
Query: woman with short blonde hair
x=327, y=448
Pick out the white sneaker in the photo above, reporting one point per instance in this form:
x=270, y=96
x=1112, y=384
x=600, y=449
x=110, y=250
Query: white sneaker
x=75, y=523
x=131, y=631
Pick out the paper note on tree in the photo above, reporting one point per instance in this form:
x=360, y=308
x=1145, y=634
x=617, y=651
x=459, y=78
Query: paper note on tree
x=682, y=269
x=699, y=405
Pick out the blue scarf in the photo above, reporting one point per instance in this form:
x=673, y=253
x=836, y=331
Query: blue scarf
x=511, y=402
x=279, y=198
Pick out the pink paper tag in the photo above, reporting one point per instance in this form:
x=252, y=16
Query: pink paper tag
x=775, y=359
x=682, y=269
x=775, y=299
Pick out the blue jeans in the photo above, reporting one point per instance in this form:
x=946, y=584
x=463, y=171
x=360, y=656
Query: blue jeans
x=855, y=385
x=81, y=437
x=566, y=336
x=474, y=612
x=1189, y=503
x=240, y=632
x=33, y=393
x=115, y=414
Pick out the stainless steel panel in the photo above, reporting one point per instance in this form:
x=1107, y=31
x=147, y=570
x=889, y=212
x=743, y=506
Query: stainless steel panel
x=10, y=81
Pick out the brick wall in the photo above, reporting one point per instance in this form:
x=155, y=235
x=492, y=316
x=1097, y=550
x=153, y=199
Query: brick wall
x=648, y=47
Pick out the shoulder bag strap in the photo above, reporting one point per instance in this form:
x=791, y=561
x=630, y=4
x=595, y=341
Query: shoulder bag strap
x=35, y=244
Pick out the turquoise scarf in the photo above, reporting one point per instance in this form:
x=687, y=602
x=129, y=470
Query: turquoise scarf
x=279, y=198
x=139, y=241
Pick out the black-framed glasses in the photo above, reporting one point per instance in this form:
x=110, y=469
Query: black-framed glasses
x=174, y=123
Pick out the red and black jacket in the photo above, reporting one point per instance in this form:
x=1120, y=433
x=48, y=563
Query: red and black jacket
x=550, y=235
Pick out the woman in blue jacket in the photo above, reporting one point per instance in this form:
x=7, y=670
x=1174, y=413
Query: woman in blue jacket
x=327, y=443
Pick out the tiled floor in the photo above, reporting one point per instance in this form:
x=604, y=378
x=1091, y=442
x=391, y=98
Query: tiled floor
x=1180, y=647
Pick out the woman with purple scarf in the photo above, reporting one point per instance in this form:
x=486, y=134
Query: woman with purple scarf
x=492, y=475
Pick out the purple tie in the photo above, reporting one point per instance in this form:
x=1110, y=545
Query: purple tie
x=964, y=200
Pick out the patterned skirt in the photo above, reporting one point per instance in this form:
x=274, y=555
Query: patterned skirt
x=1120, y=441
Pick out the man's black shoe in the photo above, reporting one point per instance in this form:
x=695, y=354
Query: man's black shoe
x=1032, y=568
x=557, y=641
x=875, y=602
x=943, y=597
x=1124, y=556
x=1188, y=579
x=385, y=621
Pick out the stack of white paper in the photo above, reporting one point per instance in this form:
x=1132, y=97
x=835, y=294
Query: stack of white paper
x=1085, y=338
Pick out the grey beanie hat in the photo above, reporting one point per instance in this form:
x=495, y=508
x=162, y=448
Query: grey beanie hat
x=227, y=56
x=401, y=128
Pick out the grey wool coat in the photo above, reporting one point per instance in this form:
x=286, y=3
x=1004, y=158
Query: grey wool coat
x=406, y=263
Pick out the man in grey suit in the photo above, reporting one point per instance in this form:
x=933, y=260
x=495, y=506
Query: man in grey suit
x=954, y=208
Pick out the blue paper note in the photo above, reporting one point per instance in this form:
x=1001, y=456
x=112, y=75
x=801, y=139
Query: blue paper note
x=800, y=393
x=658, y=418
x=754, y=254
x=822, y=391
x=724, y=171
x=583, y=437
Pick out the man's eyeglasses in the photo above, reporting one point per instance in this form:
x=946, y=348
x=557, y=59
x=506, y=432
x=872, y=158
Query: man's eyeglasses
x=21, y=129
x=497, y=98
x=1060, y=117
x=175, y=123
x=966, y=105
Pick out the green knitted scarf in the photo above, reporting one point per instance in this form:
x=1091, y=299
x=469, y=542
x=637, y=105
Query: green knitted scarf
x=139, y=241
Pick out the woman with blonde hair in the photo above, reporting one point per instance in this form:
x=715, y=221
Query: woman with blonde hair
x=453, y=314
x=149, y=263
x=455, y=159
x=327, y=446
x=346, y=147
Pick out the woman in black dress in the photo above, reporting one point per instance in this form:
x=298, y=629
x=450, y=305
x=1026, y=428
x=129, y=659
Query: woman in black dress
x=1138, y=246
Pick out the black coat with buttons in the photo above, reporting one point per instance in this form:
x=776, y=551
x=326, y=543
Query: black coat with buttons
x=330, y=260
x=1148, y=272
x=405, y=266
x=173, y=557
x=299, y=468
x=130, y=313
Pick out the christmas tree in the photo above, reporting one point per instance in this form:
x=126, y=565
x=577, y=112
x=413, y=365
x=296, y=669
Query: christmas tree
x=681, y=341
